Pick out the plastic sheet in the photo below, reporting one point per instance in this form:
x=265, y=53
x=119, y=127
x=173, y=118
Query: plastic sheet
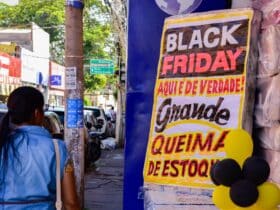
x=270, y=137
x=273, y=158
x=179, y=198
x=270, y=51
x=241, y=4
x=108, y=143
x=267, y=108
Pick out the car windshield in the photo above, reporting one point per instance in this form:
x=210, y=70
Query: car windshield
x=94, y=111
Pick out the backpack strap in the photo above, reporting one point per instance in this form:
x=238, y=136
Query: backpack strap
x=58, y=203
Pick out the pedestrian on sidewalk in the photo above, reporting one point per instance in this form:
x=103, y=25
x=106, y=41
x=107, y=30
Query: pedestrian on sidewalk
x=28, y=158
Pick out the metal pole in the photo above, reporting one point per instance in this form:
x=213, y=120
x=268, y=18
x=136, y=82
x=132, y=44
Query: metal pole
x=74, y=89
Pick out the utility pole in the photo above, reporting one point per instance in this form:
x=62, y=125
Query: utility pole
x=74, y=90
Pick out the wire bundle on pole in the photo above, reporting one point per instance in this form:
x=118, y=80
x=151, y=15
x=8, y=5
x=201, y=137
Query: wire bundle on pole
x=240, y=179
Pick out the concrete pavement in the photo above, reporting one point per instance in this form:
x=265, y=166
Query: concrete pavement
x=104, y=182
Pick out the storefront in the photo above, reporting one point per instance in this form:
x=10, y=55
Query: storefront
x=10, y=74
x=35, y=71
x=56, y=84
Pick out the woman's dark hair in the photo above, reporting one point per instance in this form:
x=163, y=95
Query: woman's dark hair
x=22, y=103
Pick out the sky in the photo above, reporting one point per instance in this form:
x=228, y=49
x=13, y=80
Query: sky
x=10, y=2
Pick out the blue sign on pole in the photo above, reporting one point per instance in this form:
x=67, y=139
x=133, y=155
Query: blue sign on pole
x=74, y=113
x=145, y=23
x=55, y=80
x=75, y=3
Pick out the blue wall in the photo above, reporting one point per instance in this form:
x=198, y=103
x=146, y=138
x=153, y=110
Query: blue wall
x=145, y=23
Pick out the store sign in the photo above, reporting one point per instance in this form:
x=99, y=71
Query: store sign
x=10, y=72
x=8, y=48
x=145, y=26
x=198, y=96
x=35, y=67
x=57, y=76
x=10, y=69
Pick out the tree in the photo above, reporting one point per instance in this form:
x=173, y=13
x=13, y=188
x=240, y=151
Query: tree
x=50, y=15
x=98, y=42
x=118, y=14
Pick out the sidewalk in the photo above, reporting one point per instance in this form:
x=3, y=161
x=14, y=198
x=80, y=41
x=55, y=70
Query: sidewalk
x=104, y=182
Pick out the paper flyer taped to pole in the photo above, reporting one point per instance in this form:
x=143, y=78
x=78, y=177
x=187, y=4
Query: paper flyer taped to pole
x=201, y=92
x=70, y=78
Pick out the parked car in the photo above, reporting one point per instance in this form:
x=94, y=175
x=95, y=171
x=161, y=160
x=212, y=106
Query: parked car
x=96, y=116
x=59, y=111
x=92, y=139
x=53, y=124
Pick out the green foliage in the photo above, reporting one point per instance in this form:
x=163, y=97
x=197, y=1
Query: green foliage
x=94, y=82
x=87, y=101
x=50, y=15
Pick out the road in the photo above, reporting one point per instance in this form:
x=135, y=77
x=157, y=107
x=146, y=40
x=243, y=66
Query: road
x=104, y=182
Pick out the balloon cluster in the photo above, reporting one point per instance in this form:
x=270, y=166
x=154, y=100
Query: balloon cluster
x=241, y=179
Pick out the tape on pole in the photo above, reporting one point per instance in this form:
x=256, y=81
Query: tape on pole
x=75, y=3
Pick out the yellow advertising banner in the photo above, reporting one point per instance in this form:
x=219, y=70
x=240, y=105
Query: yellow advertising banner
x=8, y=48
x=198, y=96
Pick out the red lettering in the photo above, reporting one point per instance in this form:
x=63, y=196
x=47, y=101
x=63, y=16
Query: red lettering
x=181, y=85
x=170, y=145
x=180, y=64
x=191, y=63
x=184, y=164
x=203, y=168
x=180, y=144
x=175, y=171
x=188, y=87
x=220, y=142
x=193, y=168
x=156, y=171
x=215, y=87
x=160, y=89
x=194, y=89
x=165, y=168
x=209, y=88
x=220, y=62
x=155, y=149
x=202, y=58
x=167, y=64
x=203, y=84
x=151, y=168
x=233, y=57
x=237, y=85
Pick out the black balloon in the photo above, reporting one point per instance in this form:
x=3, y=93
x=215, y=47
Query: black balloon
x=226, y=172
x=256, y=169
x=244, y=193
x=212, y=174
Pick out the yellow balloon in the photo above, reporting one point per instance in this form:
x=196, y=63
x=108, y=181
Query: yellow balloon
x=238, y=145
x=221, y=199
x=253, y=207
x=269, y=196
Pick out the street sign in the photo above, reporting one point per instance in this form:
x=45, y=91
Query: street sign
x=98, y=66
